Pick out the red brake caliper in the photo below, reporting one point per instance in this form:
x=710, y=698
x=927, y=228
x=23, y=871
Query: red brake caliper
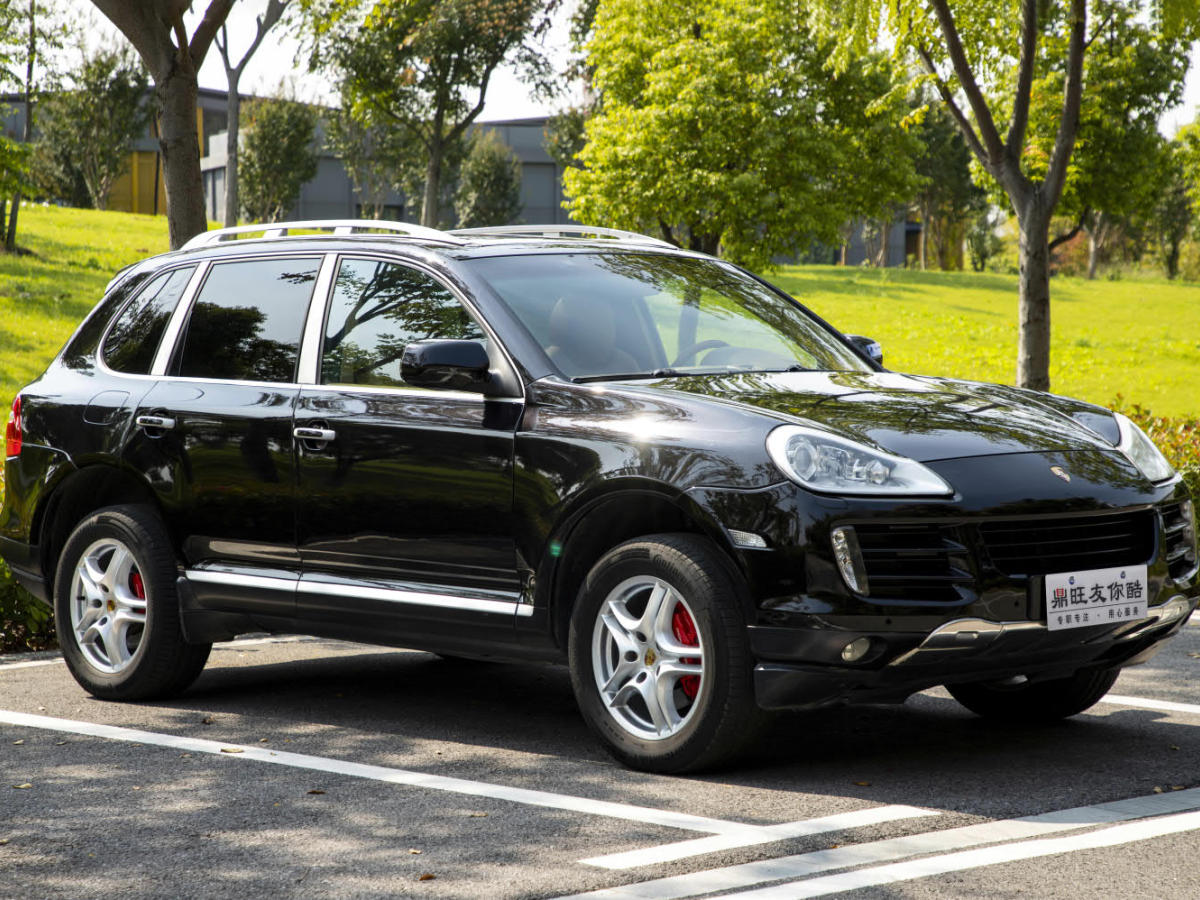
x=136, y=585
x=685, y=632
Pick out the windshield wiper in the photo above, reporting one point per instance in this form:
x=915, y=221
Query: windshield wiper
x=631, y=376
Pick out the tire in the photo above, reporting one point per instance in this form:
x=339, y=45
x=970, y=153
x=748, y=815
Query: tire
x=116, y=609
x=701, y=710
x=1039, y=702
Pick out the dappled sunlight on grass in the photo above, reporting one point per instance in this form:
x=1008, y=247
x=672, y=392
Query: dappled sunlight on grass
x=1139, y=338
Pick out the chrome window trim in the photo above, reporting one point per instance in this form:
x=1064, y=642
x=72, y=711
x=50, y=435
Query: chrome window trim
x=308, y=366
x=468, y=304
x=166, y=347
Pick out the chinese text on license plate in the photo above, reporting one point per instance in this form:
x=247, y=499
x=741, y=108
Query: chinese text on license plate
x=1096, y=597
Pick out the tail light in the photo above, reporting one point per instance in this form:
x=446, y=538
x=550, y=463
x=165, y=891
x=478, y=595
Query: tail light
x=12, y=433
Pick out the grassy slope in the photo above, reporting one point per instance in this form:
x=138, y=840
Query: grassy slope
x=1137, y=338
x=46, y=293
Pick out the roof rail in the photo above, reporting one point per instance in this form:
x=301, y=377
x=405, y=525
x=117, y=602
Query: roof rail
x=337, y=226
x=566, y=231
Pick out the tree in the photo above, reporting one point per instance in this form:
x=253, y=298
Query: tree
x=371, y=155
x=721, y=128
x=424, y=66
x=233, y=75
x=970, y=50
x=90, y=120
x=982, y=241
x=1132, y=74
x=949, y=196
x=1174, y=212
x=489, y=184
x=157, y=31
x=40, y=31
x=279, y=157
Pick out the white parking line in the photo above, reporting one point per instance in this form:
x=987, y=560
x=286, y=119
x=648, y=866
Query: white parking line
x=30, y=663
x=1147, y=703
x=874, y=852
x=223, y=645
x=669, y=852
x=974, y=859
x=628, y=812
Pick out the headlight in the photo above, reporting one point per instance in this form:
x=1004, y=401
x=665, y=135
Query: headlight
x=1140, y=451
x=825, y=462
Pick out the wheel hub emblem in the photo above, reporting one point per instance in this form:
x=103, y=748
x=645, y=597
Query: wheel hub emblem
x=650, y=657
x=1061, y=472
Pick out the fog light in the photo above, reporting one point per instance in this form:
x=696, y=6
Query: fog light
x=856, y=649
x=849, y=559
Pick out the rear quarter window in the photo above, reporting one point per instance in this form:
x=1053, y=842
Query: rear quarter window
x=133, y=340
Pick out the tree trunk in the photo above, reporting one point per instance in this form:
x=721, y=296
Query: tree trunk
x=923, y=237
x=234, y=104
x=1033, y=345
x=433, y=186
x=177, y=95
x=10, y=234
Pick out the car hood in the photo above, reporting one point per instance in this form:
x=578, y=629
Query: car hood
x=923, y=418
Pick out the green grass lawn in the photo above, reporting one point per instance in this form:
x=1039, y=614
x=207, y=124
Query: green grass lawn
x=1137, y=338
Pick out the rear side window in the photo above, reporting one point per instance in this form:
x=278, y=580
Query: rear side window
x=379, y=307
x=247, y=321
x=133, y=339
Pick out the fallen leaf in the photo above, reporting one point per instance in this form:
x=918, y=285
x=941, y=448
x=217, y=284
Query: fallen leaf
x=185, y=756
x=23, y=787
x=232, y=750
x=41, y=709
x=1174, y=746
x=3, y=841
x=863, y=783
x=1177, y=787
x=136, y=788
x=1194, y=655
x=411, y=850
x=316, y=791
x=59, y=743
x=426, y=876
x=478, y=815
x=207, y=720
x=834, y=846
x=1157, y=789
x=262, y=740
x=18, y=742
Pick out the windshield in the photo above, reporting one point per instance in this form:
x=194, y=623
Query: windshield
x=618, y=314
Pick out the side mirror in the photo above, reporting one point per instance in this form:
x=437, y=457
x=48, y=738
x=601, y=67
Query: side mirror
x=867, y=347
x=445, y=365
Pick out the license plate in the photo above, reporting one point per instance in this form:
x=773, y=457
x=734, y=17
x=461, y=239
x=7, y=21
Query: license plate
x=1096, y=597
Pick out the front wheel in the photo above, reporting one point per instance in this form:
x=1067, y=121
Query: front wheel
x=1037, y=702
x=116, y=609
x=659, y=657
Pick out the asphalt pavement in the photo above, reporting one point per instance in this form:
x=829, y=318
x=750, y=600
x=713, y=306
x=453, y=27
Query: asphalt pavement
x=298, y=767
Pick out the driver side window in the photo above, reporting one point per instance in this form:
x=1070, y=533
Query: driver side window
x=378, y=308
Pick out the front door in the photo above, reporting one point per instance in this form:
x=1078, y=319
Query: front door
x=404, y=494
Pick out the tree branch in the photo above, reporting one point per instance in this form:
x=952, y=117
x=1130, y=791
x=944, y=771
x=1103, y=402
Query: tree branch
x=990, y=137
x=1068, y=126
x=964, y=124
x=1068, y=235
x=202, y=37
x=1020, y=117
x=461, y=126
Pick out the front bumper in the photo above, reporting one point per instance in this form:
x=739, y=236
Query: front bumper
x=902, y=663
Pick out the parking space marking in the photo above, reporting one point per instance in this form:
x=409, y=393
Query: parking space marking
x=1191, y=709
x=841, y=821
x=975, y=859
x=30, y=663
x=753, y=874
x=642, y=814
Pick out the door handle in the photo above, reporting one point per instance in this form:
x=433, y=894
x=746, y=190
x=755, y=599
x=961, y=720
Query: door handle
x=162, y=423
x=324, y=435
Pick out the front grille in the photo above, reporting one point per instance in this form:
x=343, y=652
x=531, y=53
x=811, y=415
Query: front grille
x=916, y=563
x=1180, y=540
x=1038, y=546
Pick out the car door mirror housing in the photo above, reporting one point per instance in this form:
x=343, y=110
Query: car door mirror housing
x=868, y=347
x=446, y=365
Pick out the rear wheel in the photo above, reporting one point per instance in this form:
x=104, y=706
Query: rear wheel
x=1039, y=701
x=116, y=609
x=659, y=656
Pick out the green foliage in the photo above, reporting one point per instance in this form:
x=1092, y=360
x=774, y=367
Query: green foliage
x=87, y=124
x=374, y=156
x=1175, y=211
x=982, y=241
x=489, y=184
x=949, y=196
x=423, y=66
x=278, y=157
x=722, y=127
x=565, y=135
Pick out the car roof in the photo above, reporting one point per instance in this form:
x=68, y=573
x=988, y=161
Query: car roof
x=324, y=236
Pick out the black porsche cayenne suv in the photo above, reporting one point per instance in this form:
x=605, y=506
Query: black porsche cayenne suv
x=574, y=445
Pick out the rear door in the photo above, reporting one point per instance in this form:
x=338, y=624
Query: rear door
x=214, y=434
